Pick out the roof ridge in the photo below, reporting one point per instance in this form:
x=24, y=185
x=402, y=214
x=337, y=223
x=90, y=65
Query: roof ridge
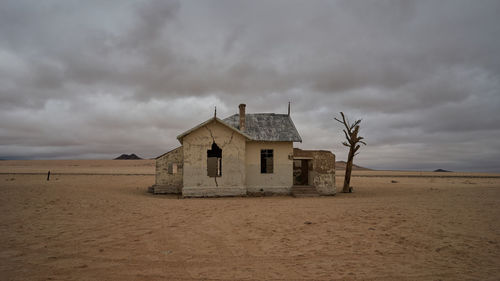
x=261, y=113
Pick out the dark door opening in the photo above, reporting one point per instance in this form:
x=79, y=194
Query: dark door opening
x=214, y=161
x=300, y=172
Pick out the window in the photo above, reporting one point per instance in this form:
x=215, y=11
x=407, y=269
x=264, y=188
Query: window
x=172, y=168
x=214, y=161
x=266, y=161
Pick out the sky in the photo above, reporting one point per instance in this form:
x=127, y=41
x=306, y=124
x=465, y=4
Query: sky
x=95, y=79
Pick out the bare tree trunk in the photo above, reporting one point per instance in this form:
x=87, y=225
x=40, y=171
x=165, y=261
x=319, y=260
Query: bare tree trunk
x=348, y=170
x=351, y=134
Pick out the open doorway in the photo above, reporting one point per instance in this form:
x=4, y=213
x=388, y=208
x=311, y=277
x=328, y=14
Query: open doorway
x=301, y=171
x=214, y=161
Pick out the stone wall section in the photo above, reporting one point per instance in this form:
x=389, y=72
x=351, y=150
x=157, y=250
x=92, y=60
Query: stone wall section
x=322, y=172
x=169, y=172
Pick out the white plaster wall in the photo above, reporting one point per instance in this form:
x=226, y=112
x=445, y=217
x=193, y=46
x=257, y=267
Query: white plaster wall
x=281, y=180
x=195, y=146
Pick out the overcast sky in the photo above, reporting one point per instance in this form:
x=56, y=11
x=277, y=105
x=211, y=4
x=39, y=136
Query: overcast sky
x=94, y=79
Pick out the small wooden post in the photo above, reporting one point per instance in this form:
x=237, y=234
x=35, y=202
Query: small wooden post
x=48, y=175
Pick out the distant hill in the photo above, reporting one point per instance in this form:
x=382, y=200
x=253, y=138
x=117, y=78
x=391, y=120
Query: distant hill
x=441, y=170
x=340, y=165
x=128, y=157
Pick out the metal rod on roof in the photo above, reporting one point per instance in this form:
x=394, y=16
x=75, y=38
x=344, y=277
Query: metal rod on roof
x=288, y=108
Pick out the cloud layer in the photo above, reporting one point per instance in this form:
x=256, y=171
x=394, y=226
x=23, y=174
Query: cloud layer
x=95, y=79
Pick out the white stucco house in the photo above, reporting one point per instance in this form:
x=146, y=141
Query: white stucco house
x=243, y=154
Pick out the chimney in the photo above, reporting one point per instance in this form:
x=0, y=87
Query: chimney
x=242, y=117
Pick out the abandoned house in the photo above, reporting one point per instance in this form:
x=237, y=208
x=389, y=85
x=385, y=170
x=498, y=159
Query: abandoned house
x=244, y=154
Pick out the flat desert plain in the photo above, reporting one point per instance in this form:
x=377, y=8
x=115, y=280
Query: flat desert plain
x=94, y=220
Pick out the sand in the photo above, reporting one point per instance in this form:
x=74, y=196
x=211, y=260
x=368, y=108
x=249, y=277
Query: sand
x=95, y=221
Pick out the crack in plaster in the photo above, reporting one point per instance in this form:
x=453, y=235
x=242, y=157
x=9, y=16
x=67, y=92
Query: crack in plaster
x=230, y=140
x=213, y=139
x=211, y=135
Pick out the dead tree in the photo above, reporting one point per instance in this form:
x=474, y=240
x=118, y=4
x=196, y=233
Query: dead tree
x=353, y=140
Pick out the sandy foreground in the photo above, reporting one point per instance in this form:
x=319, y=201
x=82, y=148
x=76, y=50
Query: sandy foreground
x=94, y=221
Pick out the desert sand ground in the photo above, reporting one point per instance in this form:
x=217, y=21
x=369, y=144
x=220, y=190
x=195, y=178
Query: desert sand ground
x=94, y=221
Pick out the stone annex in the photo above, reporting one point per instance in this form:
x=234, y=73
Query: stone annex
x=244, y=154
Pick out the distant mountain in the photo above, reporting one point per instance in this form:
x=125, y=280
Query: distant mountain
x=128, y=157
x=340, y=166
x=441, y=170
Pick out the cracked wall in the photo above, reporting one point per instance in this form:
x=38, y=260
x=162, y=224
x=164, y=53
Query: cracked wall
x=195, y=145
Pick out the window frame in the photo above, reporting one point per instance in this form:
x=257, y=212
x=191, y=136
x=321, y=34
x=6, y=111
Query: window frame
x=172, y=168
x=266, y=158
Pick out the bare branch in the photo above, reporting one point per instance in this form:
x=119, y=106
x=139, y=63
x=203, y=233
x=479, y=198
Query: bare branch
x=355, y=123
x=347, y=136
x=359, y=139
x=356, y=130
x=344, y=121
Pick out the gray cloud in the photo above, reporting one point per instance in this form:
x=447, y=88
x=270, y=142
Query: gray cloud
x=95, y=79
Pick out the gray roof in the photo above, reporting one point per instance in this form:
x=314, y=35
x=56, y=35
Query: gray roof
x=267, y=126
